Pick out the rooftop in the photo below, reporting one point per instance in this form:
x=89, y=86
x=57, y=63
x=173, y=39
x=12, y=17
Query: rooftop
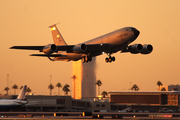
x=144, y=92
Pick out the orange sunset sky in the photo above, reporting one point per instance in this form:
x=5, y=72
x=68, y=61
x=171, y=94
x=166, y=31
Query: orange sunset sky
x=26, y=23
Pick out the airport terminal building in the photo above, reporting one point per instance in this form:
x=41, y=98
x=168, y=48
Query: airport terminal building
x=118, y=100
x=146, y=97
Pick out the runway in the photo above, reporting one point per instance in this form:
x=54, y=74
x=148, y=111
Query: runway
x=93, y=115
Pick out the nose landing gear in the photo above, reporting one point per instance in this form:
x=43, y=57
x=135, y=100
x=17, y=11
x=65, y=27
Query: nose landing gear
x=110, y=59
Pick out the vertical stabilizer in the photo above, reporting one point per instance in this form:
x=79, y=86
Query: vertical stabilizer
x=21, y=95
x=57, y=37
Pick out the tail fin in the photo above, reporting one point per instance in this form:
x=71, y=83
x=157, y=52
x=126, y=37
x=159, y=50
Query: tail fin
x=21, y=95
x=57, y=37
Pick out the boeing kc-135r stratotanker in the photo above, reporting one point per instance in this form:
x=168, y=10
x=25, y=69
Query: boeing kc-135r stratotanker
x=110, y=43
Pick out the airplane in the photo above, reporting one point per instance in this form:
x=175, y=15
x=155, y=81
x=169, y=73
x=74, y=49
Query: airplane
x=110, y=43
x=6, y=104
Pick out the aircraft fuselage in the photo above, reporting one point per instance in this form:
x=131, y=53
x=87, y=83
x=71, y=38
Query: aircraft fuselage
x=118, y=40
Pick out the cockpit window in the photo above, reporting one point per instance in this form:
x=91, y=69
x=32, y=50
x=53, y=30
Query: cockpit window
x=129, y=29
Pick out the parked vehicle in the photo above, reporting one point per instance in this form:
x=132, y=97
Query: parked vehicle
x=165, y=110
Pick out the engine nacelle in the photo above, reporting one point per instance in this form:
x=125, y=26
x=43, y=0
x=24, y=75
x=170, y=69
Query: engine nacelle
x=147, y=48
x=48, y=49
x=136, y=48
x=81, y=48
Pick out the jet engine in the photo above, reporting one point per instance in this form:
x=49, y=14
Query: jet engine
x=81, y=48
x=136, y=48
x=48, y=49
x=147, y=48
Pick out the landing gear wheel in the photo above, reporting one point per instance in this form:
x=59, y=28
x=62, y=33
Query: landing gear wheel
x=113, y=58
x=83, y=60
x=86, y=59
x=110, y=59
x=89, y=59
x=107, y=60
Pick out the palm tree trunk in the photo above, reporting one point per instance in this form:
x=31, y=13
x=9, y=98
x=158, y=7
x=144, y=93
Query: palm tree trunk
x=98, y=90
x=58, y=91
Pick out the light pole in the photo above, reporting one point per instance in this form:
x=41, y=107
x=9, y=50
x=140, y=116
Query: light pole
x=10, y=87
x=50, y=78
x=7, y=82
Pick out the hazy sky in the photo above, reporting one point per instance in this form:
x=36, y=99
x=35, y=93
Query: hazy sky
x=26, y=23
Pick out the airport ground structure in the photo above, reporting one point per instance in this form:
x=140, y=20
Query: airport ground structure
x=141, y=101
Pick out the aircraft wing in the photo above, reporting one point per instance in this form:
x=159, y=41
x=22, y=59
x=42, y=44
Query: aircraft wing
x=94, y=47
x=67, y=48
x=51, y=55
x=28, y=47
x=90, y=47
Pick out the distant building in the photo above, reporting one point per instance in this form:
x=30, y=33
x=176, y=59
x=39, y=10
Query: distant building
x=146, y=97
x=173, y=87
x=84, y=79
x=68, y=104
x=62, y=104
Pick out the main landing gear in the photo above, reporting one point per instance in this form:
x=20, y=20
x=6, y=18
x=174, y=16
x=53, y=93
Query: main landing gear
x=110, y=59
x=86, y=59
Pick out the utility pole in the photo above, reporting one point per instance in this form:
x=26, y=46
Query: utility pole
x=74, y=92
x=7, y=81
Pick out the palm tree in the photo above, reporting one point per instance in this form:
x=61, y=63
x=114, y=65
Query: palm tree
x=50, y=87
x=66, y=89
x=21, y=87
x=14, y=87
x=135, y=87
x=159, y=84
x=6, y=89
x=58, y=85
x=98, y=83
x=104, y=93
x=163, y=89
x=28, y=90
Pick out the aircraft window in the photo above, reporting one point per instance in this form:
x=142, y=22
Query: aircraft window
x=129, y=29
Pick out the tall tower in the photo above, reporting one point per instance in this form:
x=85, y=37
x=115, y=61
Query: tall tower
x=84, y=79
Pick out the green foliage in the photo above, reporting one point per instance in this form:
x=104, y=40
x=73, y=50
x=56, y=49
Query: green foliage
x=66, y=89
x=104, y=94
x=135, y=87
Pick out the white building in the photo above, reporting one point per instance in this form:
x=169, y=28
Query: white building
x=84, y=79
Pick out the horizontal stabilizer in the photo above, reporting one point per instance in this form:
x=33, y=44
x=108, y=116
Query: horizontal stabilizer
x=51, y=55
x=27, y=47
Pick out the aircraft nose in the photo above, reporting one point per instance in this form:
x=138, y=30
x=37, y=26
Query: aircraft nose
x=136, y=32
